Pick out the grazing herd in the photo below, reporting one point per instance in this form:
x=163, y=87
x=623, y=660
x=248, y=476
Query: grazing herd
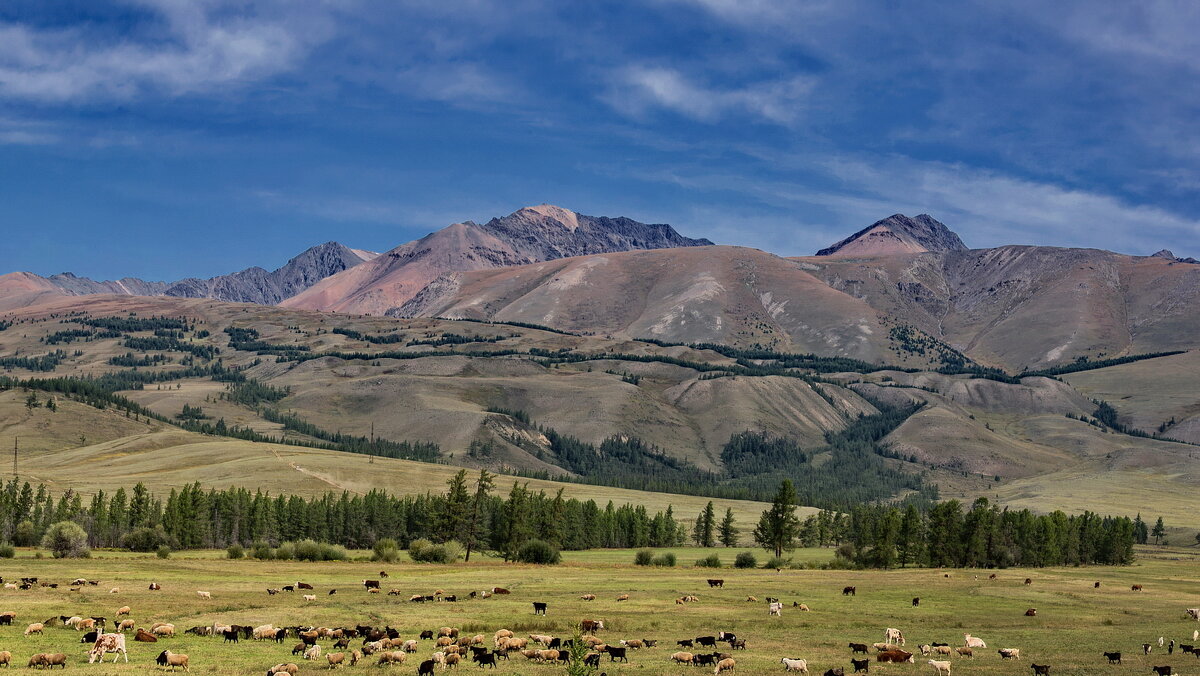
x=450, y=647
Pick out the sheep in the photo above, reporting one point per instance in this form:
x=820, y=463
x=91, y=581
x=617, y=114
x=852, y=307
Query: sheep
x=794, y=665
x=5, y=657
x=1162, y=671
x=940, y=667
x=398, y=657
x=1113, y=658
x=285, y=668
x=925, y=649
x=1040, y=669
x=863, y=665
x=682, y=657
x=623, y=597
x=451, y=660
x=973, y=642
x=548, y=655
x=501, y=633
x=124, y=610
x=163, y=629
x=751, y=599
x=588, y=597
x=726, y=664
x=204, y=594
x=49, y=660
x=35, y=628
x=312, y=652
x=1032, y=612
x=264, y=631
x=114, y=590
x=965, y=652
x=309, y=597
x=169, y=659
x=335, y=659
x=426, y=668
x=1009, y=653
x=1194, y=613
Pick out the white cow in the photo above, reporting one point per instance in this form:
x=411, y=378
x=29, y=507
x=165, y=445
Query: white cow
x=795, y=665
x=1194, y=613
x=108, y=643
x=891, y=635
x=974, y=642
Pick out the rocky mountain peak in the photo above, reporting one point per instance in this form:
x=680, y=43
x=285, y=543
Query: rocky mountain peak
x=898, y=234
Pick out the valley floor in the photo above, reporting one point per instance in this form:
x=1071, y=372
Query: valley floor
x=1075, y=622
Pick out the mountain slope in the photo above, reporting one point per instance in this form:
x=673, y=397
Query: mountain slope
x=528, y=235
x=720, y=294
x=1028, y=307
x=897, y=234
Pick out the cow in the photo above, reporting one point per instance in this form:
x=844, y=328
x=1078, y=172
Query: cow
x=973, y=641
x=500, y=590
x=1136, y=587
x=591, y=626
x=371, y=584
x=539, y=608
x=304, y=585
x=1028, y=580
x=1096, y=585
x=849, y=591
x=1032, y=612
x=916, y=601
x=716, y=583
x=1162, y=671
x=894, y=656
x=108, y=643
x=892, y=635
x=1040, y=669
x=1194, y=613
x=1113, y=658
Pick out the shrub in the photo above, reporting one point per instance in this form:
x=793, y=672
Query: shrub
x=745, y=560
x=146, y=539
x=261, y=550
x=386, y=550
x=164, y=552
x=710, y=561
x=424, y=551
x=308, y=550
x=7, y=551
x=235, y=551
x=538, y=551
x=665, y=560
x=643, y=557
x=286, y=551
x=777, y=562
x=25, y=534
x=66, y=540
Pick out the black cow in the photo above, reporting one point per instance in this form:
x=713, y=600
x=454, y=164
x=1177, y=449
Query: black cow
x=332, y=592
x=916, y=601
x=1113, y=658
x=1040, y=669
x=614, y=653
x=716, y=583
x=289, y=587
x=539, y=608
x=863, y=665
x=1161, y=671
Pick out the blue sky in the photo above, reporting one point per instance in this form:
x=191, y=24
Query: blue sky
x=173, y=138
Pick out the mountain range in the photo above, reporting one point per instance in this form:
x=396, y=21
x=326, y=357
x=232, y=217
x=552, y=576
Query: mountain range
x=1049, y=377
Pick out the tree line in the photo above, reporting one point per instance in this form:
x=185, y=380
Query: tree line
x=948, y=534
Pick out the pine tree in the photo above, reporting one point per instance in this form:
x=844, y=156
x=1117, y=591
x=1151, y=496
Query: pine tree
x=910, y=537
x=778, y=527
x=728, y=531
x=483, y=486
x=1159, y=530
x=456, y=510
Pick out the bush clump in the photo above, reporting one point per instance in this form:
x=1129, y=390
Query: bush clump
x=7, y=551
x=644, y=557
x=146, y=539
x=284, y=552
x=163, y=552
x=745, y=560
x=424, y=551
x=386, y=550
x=710, y=561
x=261, y=550
x=235, y=551
x=665, y=560
x=66, y=540
x=539, y=552
x=777, y=562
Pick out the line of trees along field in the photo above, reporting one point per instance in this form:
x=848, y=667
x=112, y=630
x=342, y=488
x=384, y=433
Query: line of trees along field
x=469, y=513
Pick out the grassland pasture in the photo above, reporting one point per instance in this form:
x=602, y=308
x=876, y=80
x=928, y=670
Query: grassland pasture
x=1075, y=622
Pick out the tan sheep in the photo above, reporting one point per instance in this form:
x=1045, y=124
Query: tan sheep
x=35, y=628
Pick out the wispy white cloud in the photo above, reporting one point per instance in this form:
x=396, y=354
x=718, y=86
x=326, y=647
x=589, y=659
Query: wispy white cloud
x=637, y=88
x=196, y=47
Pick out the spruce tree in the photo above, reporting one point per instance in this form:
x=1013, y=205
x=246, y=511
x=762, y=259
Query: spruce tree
x=1159, y=531
x=778, y=527
x=728, y=531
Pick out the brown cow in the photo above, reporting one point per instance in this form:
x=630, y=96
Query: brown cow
x=894, y=656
